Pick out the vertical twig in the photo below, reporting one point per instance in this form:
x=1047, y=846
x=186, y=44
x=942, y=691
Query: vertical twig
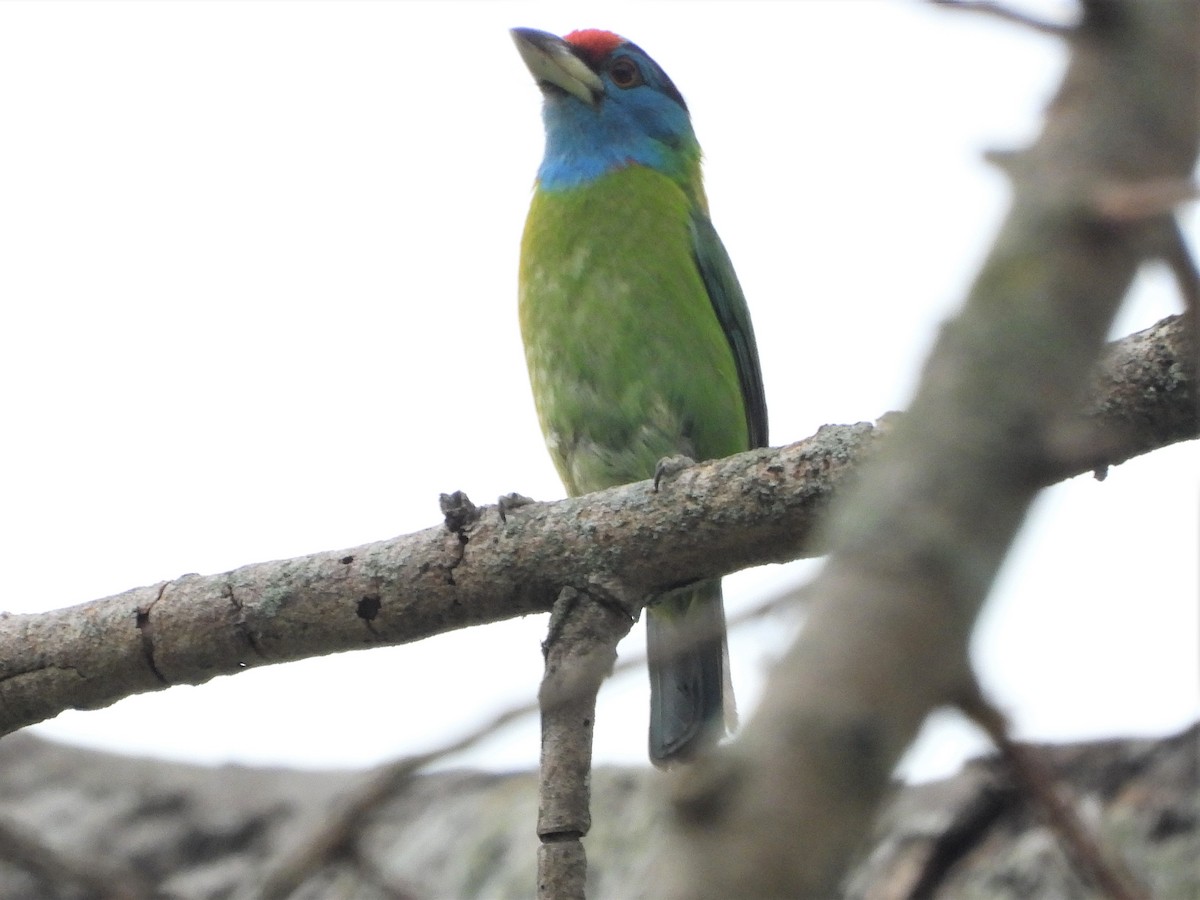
x=580, y=650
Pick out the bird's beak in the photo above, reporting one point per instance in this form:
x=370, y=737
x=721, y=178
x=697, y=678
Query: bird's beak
x=552, y=61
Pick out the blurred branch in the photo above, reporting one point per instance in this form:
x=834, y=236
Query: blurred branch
x=917, y=539
x=341, y=831
x=1032, y=773
x=1182, y=263
x=1007, y=14
x=70, y=872
x=716, y=517
x=1143, y=394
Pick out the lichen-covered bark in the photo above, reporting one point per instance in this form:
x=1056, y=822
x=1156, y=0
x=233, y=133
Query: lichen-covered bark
x=715, y=518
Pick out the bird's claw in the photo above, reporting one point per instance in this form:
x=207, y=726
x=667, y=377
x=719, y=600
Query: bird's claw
x=669, y=467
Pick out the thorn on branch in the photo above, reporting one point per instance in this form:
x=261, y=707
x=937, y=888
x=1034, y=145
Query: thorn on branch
x=459, y=512
x=506, y=503
x=1003, y=159
x=1000, y=11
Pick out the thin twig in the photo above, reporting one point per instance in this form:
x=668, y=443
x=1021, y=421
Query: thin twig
x=70, y=871
x=1034, y=776
x=344, y=827
x=1179, y=259
x=1000, y=11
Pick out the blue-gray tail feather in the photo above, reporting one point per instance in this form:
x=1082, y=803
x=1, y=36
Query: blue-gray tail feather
x=689, y=681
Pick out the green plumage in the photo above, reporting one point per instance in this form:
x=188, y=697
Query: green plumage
x=636, y=332
x=627, y=360
x=630, y=363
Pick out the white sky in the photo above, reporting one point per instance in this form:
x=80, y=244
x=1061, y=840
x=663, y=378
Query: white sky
x=257, y=274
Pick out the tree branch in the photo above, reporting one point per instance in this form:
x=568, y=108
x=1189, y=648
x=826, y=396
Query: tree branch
x=1007, y=14
x=918, y=538
x=71, y=873
x=580, y=650
x=1033, y=774
x=715, y=518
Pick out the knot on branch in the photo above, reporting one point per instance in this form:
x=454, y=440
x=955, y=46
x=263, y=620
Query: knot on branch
x=458, y=511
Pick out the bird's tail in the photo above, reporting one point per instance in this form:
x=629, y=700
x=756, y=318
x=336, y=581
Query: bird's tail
x=691, y=698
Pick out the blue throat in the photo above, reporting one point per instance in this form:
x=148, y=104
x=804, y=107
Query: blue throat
x=639, y=127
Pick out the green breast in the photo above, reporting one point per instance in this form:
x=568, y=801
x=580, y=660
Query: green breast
x=626, y=357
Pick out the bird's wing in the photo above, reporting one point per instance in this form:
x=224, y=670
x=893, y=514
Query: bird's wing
x=729, y=303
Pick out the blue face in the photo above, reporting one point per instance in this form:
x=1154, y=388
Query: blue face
x=641, y=119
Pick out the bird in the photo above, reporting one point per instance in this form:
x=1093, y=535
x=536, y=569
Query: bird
x=636, y=332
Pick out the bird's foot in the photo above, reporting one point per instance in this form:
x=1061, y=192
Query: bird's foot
x=506, y=503
x=670, y=466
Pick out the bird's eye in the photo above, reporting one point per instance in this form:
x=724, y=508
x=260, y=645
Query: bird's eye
x=625, y=72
